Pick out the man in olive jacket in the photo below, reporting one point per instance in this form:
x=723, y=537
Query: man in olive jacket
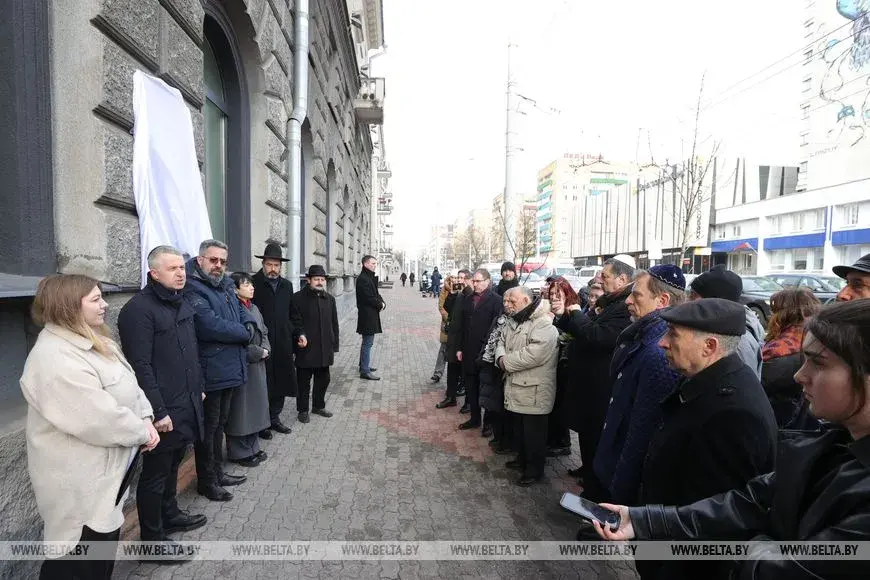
x=319, y=317
x=158, y=338
x=527, y=352
x=369, y=304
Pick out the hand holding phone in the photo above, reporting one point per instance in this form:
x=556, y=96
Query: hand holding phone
x=590, y=511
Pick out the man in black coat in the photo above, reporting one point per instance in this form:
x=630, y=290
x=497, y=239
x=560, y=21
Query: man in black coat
x=272, y=294
x=224, y=328
x=454, y=305
x=718, y=429
x=508, y=278
x=593, y=340
x=369, y=304
x=158, y=338
x=479, y=311
x=319, y=318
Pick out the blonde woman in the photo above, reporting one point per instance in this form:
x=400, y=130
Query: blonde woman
x=86, y=418
x=444, y=304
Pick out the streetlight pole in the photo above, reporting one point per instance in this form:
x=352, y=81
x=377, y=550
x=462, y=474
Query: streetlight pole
x=509, y=224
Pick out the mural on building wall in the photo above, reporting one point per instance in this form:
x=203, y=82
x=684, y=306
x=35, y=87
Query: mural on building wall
x=845, y=81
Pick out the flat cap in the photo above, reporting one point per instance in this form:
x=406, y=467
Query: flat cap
x=714, y=315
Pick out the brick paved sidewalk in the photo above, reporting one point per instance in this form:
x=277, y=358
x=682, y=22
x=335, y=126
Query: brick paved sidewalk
x=386, y=466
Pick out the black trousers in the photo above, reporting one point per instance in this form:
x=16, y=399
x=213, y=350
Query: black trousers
x=276, y=407
x=558, y=434
x=502, y=427
x=209, y=452
x=156, y=493
x=454, y=373
x=69, y=569
x=472, y=394
x=321, y=382
x=530, y=432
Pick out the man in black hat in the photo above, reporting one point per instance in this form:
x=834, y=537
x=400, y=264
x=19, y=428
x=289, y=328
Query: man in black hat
x=722, y=283
x=508, y=278
x=272, y=295
x=319, y=316
x=718, y=429
x=857, y=277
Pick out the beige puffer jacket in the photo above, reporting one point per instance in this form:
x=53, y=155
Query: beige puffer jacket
x=530, y=350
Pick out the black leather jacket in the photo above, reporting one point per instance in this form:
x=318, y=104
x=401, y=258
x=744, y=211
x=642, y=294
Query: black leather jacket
x=819, y=492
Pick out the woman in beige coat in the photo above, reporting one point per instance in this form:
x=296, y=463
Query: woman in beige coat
x=527, y=352
x=86, y=418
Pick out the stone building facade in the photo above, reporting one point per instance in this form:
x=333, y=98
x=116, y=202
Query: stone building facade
x=66, y=158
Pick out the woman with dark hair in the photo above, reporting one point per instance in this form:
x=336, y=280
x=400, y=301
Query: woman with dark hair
x=558, y=434
x=86, y=419
x=781, y=357
x=820, y=490
x=249, y=408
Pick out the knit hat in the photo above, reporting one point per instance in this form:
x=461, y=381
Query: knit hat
x=508, y=266
x=718, y=283
x=669, y=274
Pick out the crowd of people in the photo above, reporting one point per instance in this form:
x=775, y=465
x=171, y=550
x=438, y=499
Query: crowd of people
x=204, y=358
x=678, y=395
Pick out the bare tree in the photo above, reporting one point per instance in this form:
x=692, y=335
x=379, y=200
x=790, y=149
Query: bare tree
x=689, y=180
x=524, y=244
x=471, y=245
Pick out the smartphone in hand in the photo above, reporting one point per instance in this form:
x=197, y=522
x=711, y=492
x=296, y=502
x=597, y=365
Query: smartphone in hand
x=590, y=511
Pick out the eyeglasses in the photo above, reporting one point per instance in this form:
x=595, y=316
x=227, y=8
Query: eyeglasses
x=478, y=281
x=221, y=261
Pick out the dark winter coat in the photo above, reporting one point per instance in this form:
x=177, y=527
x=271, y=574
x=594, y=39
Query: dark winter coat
x=455, y=305
x=491, y=390
x=320, y=321
x=220, y=329
x=642, y=378
x=475, y=326
x=593, y=341
x=158, y=337
x=249, y=409
x=820, y=492
x=785, y=395
x=284, y=330
x=718, y=432
x=369, y=303
x=505, y=285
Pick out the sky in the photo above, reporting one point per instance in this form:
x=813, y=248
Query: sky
x=623, y=78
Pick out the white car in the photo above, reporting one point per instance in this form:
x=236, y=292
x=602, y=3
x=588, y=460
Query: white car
x=533, y=281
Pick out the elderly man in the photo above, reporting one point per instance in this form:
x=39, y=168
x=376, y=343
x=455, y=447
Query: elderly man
x=369, y=304
x=223, y=330
x=527, y=352
x=857, y=277
x=725, y=284
x=718, y=429
x=479, y=310
x=158, y=338
x=641, y=379
x=272, y=293
x=319, y=316
x=593, y=339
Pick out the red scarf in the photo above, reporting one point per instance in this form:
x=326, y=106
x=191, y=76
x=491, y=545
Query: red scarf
x=247, y=303
x=788, y=343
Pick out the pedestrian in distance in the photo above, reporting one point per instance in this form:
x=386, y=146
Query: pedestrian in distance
x=369, y=304
x=86, y=418
x=224, y=329
x=272, y=294
x=411, y=279
x=435, y=283
x=820, y=486
x=403, y=278
x=158, y=337
x=319, y=317
x=249, y=408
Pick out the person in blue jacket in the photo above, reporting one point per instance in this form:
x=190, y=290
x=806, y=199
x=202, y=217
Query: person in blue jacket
x=224, y=328
x=641, y=379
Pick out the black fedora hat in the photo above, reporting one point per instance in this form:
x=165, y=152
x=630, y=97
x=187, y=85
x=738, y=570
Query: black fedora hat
x=315, y=270
x=273, y=252
x=862, y=265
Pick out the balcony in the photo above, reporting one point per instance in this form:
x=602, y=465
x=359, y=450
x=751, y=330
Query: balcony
x=369, y=103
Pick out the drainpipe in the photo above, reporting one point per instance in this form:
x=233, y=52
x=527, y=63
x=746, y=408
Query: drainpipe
x=294, y=132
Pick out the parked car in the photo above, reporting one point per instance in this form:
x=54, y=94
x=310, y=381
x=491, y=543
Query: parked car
x=757, y=291
x=822, y=289
x=834, y=282
x=575, y=282
x=587, y=273
x=533, y=281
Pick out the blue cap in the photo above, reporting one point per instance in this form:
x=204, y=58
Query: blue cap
x=670, y=275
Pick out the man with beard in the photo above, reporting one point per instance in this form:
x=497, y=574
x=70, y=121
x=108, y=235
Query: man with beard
x=319, y=316
x=593, y=341
x=508, y=278
x=223, y=330
x=272, y=294
x=158, y=338
x=857, y=277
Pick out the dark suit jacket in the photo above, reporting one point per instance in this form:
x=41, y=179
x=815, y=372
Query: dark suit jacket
x=476, y=324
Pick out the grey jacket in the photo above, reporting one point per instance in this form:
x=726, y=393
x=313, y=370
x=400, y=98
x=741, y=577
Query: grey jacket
x=749, y=349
